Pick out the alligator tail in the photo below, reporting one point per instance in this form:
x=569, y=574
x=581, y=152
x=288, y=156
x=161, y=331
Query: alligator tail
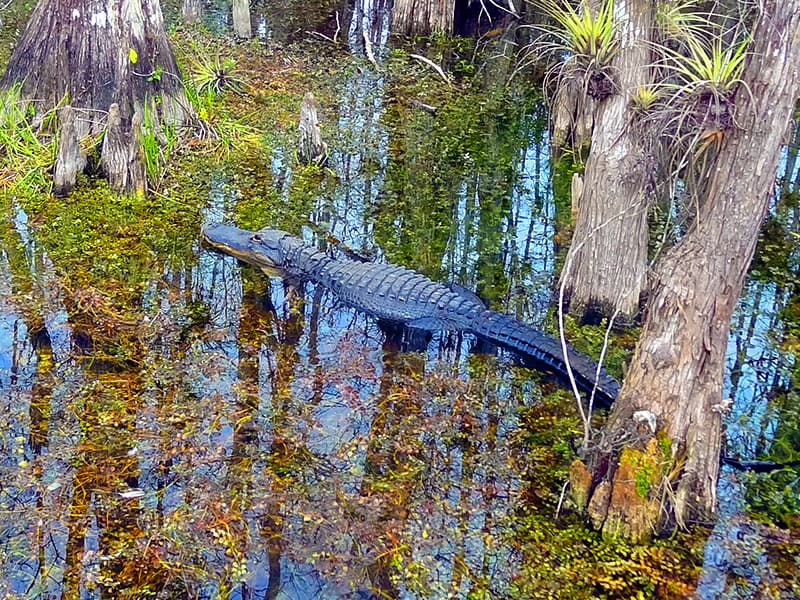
x=544, y=350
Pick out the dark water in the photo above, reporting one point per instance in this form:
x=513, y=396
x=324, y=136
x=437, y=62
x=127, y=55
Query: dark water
x=234, y=435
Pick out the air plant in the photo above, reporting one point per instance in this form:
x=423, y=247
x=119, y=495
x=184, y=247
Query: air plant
x=644, y=98
x=214, y=74
x=701, y=77
x=707, y=64
x=676, y=20
x=699, y=62
x=582, y=42
x=586, y=34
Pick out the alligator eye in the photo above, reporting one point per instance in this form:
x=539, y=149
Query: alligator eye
x=256, y=237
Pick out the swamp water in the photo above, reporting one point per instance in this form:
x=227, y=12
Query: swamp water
x=173, y=424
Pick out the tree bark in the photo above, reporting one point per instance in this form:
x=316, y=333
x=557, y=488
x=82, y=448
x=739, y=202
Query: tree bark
x=676, y=374
x=241, y=19
x=605, y=267
x=96, y=53
x=191, y=10
x=70, y=160
x=120, y=157
x=312, y=149
x=573, y=118
x=422, y=17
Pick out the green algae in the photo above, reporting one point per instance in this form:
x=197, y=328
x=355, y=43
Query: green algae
x=109, y=247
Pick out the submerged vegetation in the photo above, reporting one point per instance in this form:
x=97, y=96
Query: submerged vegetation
x=217, y=434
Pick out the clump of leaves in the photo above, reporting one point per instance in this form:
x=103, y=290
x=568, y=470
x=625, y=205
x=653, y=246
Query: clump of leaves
x=677, y=19
x=587, y=33
x=707, y=64
x=645, y=97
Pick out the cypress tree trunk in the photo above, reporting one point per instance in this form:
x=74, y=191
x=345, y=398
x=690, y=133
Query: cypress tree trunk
x=422, y=16
x=69, y=160
x=94, y=54
x=676, y=373
x=311, y=147
x=607, y=259
x=191, y=11
x=241, y=19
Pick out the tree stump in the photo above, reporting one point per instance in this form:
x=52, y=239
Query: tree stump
x=98, y=53
x=312, y=149
x=422, y=17
x=120, y=157
x=70, y=159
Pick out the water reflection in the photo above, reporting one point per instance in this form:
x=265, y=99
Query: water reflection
x=736, y=562
x=40, y=382
x=258, y=439
x=243, y=436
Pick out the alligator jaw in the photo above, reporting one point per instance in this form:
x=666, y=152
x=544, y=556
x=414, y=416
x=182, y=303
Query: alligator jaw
x=239, y=243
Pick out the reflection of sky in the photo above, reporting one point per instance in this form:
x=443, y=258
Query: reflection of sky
x=17, y=358
x=343, y=411
x=754, y=367
x=63, y=382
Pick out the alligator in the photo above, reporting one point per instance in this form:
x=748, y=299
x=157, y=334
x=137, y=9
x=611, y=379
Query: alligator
x=399, y=295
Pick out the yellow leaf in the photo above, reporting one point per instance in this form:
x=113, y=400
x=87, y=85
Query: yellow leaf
x=133, y=55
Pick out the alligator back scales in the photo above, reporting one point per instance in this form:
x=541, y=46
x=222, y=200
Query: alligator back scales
x=397, y=294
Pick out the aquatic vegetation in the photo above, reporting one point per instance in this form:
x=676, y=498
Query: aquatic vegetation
x=570, y=561
x=589, y=339
x=564, y=558
x=121, y=235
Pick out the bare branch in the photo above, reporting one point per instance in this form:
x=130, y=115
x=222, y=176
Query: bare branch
x=433, y=66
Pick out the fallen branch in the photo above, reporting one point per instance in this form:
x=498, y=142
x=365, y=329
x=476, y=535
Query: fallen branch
x=422, y=106
x=433, y=66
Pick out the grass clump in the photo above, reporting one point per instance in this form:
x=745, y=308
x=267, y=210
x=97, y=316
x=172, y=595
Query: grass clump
x=26, y=158
x=216, y=74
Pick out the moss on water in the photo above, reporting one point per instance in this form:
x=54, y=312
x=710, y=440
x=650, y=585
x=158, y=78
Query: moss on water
x=100, y=239
x=465, y=157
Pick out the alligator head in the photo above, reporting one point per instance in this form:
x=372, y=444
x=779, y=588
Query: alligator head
x=262, y=248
